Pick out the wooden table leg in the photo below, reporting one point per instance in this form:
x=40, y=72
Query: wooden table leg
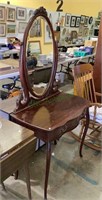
x=28, y=180
x=16, y=175
x=48, y=159
x=3, y=186
x=85, y=131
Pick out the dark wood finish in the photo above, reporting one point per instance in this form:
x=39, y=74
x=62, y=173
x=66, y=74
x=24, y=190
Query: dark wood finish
x=16, y=151
x=41, y=12
x=98, y=63
x=51, y=118
x=52, y=113
x=48, y=159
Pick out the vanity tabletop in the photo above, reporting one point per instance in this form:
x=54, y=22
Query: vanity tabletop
x=47, y=116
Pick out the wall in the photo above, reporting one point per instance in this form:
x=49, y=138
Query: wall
x=78, y=7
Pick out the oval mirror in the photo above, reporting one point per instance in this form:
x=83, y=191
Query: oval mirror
x=38, y=56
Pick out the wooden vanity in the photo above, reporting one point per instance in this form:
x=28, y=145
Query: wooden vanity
x=49, y=114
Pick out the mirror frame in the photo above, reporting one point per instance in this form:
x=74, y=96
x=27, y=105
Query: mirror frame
x=28, y=92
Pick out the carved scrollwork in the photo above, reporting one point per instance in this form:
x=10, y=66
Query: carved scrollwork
x=21, y=102
x=40, y=10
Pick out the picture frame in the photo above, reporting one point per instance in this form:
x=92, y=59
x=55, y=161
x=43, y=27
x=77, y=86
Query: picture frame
x=2, y=13
x=35, y=47
x=64, y=34
x=67, y=19
x=31, y=12
x=22, y=27
x=86, y=21
x=90, y=20
x=77, y=24
x=90, y=32
x=10, y=39
x=11, y=14
x=73, y=21
x=85, y=32
x=35, y=30
x=47, y=34
x=82, y=21
x=62, y=20
x=99, y=14
x=11, y=28
x=74, y=35
x=21, y=13
x=80, y=32
x=2, y=29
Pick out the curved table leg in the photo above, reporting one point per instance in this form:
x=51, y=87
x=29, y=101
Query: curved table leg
x=84, y=132
x=48, y=159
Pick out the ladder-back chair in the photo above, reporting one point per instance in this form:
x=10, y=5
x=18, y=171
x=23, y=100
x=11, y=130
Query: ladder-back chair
x=84, y=87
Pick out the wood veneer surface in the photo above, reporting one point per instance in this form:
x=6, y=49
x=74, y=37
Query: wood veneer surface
x=12, y=136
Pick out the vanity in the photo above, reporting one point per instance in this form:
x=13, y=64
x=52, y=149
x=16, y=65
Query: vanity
x=48, y=112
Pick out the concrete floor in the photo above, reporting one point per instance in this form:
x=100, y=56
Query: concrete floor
x=71, y=177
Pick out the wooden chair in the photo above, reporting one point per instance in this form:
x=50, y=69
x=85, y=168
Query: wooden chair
x=84, y=87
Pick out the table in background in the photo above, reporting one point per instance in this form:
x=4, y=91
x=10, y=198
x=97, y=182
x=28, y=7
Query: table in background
x=9, y=53
x=68, y=61
x=16, y=151
x=10, y=67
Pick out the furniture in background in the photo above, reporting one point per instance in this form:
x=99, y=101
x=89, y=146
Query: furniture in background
x=98, y=63
x=8, y=53
x=16, y=151
x=9, y=68
x=69, y=63
x=96, y=27
x=84, y=87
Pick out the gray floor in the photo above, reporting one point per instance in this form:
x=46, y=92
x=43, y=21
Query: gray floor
x=71, y=177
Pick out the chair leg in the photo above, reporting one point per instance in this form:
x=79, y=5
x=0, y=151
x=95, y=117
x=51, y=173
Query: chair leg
x=28, y=180
x=84, y=131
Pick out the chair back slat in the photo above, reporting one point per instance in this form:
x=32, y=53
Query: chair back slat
x=83, y=80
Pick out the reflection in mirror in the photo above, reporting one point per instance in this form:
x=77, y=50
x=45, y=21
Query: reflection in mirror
x=39, y=55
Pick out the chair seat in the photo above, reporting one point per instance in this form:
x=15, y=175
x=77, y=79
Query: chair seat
x=98, y=117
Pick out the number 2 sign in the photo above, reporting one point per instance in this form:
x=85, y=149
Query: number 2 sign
x=60, y=2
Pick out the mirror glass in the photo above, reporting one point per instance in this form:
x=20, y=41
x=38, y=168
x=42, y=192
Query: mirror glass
x=39, y=55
